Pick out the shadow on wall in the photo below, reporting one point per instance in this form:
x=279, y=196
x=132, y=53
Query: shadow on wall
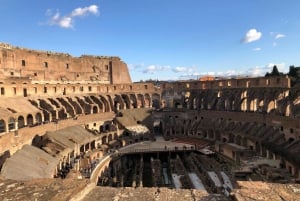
x=3, y=158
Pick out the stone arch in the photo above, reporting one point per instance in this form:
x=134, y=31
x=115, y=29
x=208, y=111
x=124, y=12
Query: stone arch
x=288, y=110
x=100, y=104
x=147, y=101
x=29, y=120
x=104, y=139
x=140, y=101
x=110, y=101
x=133, y=100
x=126, y=101
x=38, y=118
x=2, y=126
x=261, y=104
x=244, y=104
x=271, y=106
x=156, y=100
x=101, y=129
x=110, y=137
x=106, y=104
x=118, y=103
x=11, y=124
x=21, y=122
x=253, y=105
x=194, y=103
x=227, y=104
x=95, y=109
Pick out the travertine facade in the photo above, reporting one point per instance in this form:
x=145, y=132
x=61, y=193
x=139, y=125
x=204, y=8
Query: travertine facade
x=39, y=66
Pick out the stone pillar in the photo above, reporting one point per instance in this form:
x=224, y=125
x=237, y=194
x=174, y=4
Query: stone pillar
x=16, y=125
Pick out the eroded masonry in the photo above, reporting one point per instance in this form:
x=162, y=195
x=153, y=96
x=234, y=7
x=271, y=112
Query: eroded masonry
x=80, y=125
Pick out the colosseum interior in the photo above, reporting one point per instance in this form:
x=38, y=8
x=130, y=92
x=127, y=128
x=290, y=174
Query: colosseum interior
x=78, y=128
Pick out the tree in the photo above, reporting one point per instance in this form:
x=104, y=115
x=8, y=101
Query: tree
x=275, y=71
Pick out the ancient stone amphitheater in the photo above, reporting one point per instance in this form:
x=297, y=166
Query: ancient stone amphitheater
x=77, y=128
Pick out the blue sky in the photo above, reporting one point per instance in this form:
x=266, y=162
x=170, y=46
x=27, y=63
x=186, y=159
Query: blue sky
x=162, y=39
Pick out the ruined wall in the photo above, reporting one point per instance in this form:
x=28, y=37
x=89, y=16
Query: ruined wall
x=50, y=66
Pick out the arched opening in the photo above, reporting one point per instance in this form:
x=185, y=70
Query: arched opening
x=244, y=105
x=110, y=137
x=38, y=118
x=2, y=126
x=133, y=101
x=107, y=127
x=95, y=110
x=126, y=100
x=147, y=101
x=101, y=129
x=104, y=140
x=253, y=105
x=271, y=106
x=288, y=110
x=11, y=124
x=140, y=101
x=29, y=120
x=21, y=122
x=156, y=101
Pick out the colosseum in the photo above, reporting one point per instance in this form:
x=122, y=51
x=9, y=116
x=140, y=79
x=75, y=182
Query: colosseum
x=78, y=128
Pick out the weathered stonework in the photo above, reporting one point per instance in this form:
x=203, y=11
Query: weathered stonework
x=43, y=91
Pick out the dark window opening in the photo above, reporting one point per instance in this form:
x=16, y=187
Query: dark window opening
x=46, y=64
x=2, y=91
x=23, y=63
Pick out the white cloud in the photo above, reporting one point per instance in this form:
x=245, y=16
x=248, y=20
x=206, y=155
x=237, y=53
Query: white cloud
x=93, y=9
x=180, y=69
x=256, y=71
x=135, y=66
x=155, y=68
x=251, y=36
x=280, y=66
x=277, y=36
x=67, y=21
x=257, y=49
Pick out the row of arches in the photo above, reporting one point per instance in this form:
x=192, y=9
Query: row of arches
x=266, y=140
x=64, y=107
x=15, y=123
x=277, y=101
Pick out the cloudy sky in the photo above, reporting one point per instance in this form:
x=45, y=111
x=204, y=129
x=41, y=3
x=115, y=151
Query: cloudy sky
x=162, y=39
